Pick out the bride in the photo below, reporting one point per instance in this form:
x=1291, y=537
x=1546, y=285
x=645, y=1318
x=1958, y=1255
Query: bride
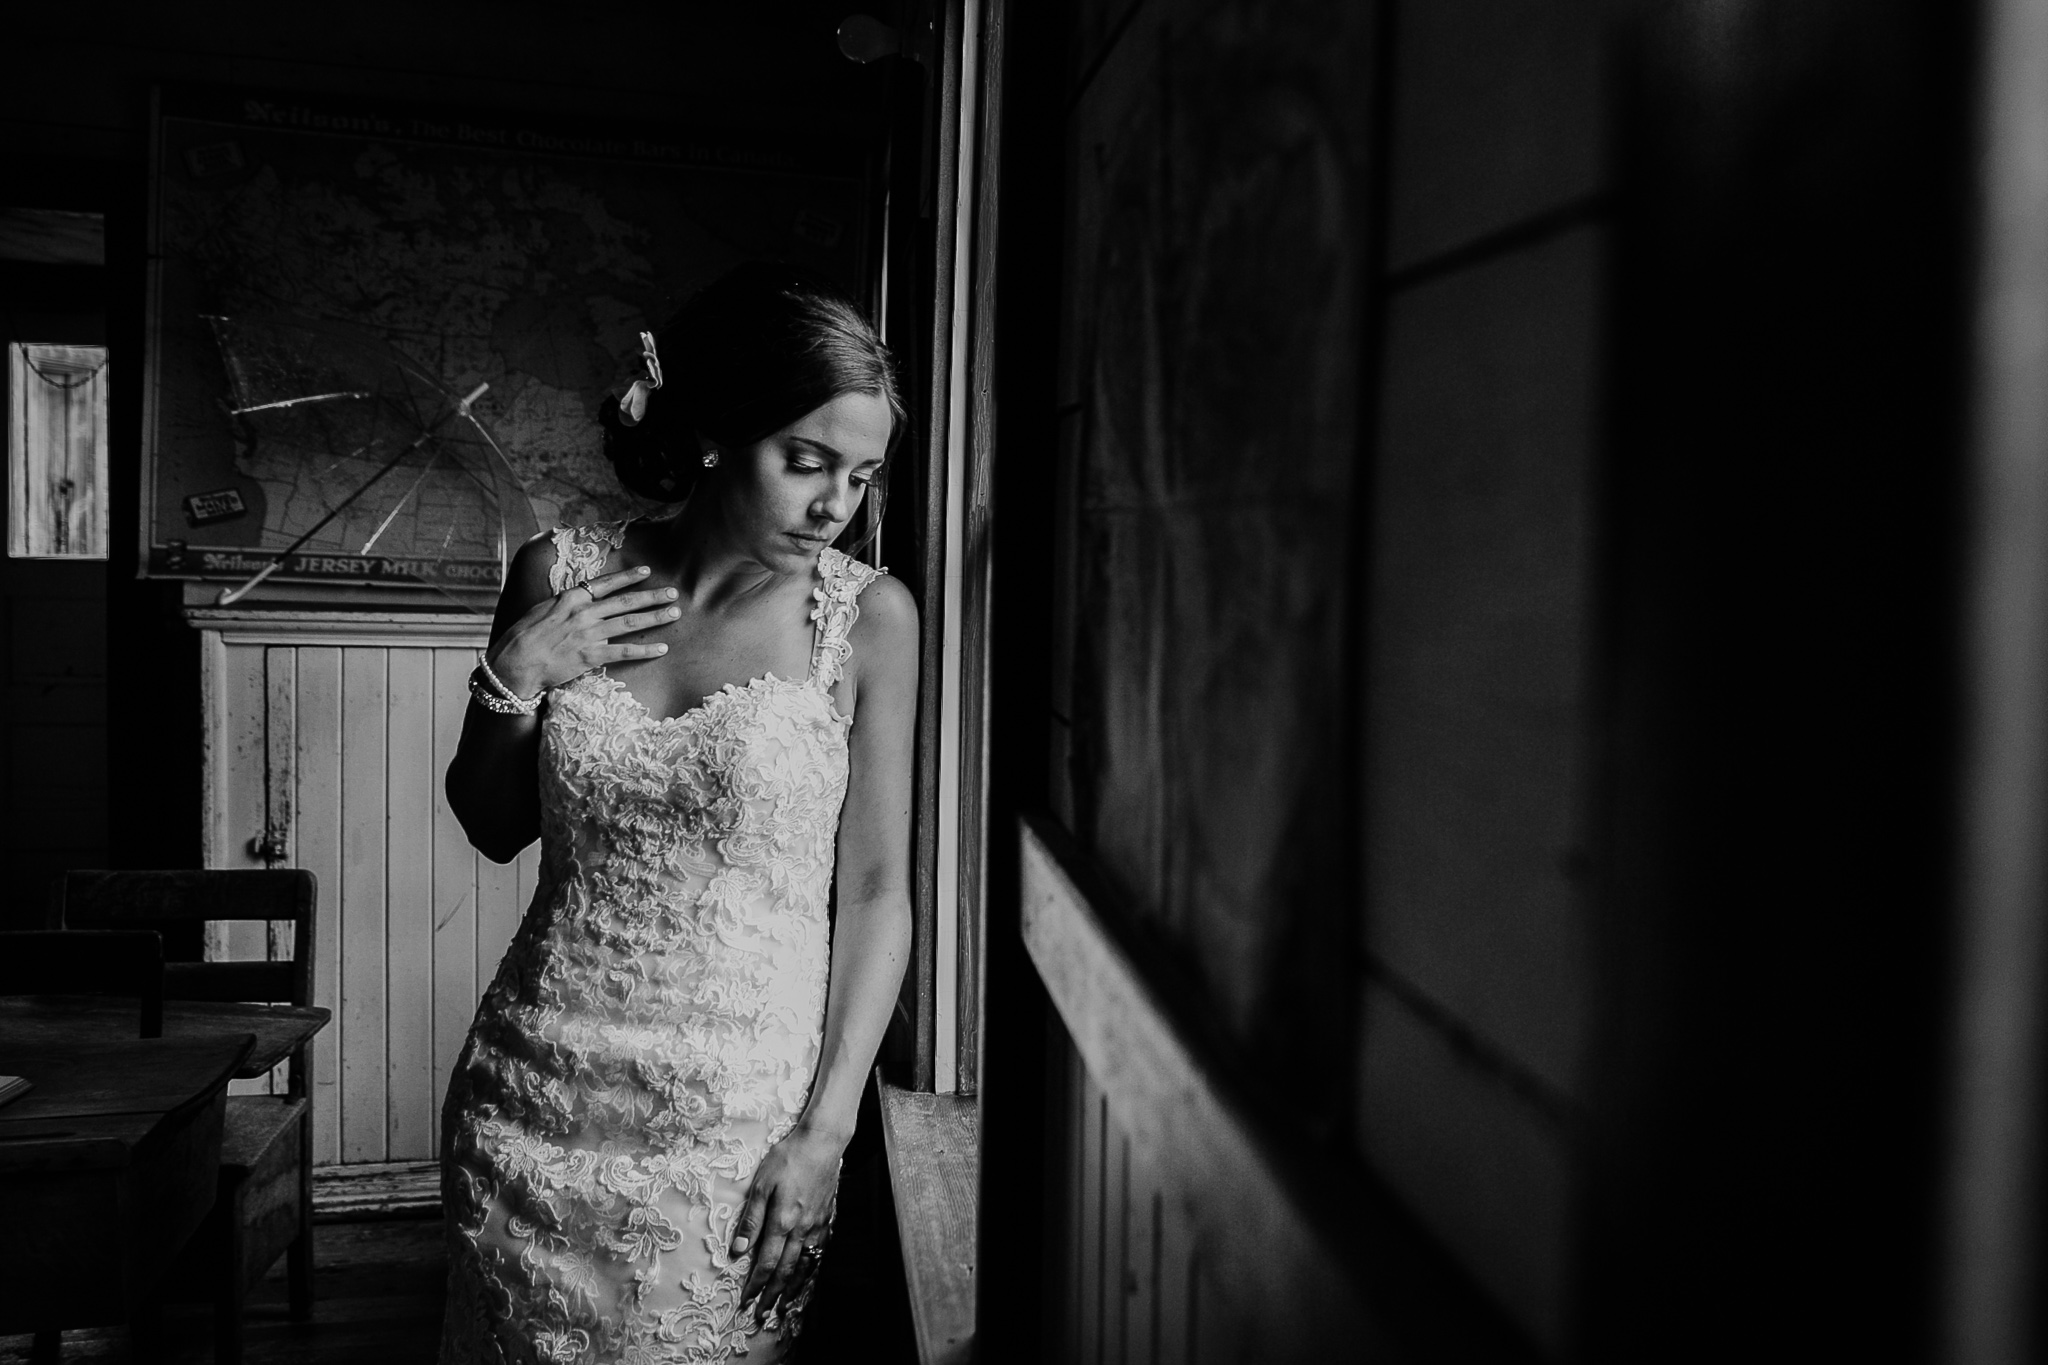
x=705, y=719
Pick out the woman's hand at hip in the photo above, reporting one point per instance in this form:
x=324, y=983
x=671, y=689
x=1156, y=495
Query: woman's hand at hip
x=567, y=635
x=788, y=1216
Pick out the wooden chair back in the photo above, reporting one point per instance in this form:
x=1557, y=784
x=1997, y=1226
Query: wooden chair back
x=112, y=962
x=265, y=1200
x=166, y=901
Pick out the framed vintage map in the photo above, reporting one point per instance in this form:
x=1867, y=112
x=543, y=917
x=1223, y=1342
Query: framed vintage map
x=298, y=245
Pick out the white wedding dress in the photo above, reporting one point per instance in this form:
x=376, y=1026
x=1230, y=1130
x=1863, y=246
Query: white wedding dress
x=655, y=1024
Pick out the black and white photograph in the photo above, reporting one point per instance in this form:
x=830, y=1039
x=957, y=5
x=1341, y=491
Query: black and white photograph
x=1024, y=682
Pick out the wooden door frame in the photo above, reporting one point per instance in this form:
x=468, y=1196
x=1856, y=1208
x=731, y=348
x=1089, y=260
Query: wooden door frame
x=1018, y=266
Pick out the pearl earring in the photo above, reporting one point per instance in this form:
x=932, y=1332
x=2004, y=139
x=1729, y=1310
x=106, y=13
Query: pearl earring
x=711, y=459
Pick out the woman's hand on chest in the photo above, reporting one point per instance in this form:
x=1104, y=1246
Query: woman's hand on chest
x=580, y=628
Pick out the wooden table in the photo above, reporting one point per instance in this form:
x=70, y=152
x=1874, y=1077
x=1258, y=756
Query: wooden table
x=106, y=1167
x=277, y=1029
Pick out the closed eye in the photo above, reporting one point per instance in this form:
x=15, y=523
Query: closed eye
x=865, y=480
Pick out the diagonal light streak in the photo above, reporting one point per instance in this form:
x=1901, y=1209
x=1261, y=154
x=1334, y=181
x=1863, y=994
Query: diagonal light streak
x=294, y=402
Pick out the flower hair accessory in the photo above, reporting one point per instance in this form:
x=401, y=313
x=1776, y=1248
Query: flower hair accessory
x=633, y=406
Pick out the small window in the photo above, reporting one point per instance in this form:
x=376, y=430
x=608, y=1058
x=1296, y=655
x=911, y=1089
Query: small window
x=56, y=451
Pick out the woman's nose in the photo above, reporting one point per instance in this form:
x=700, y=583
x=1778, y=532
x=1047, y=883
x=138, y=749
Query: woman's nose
x=836, y=505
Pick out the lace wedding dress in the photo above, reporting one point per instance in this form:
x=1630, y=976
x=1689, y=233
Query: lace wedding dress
x=655, y=1024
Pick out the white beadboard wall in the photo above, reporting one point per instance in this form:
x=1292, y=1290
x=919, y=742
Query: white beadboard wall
x=330, y=734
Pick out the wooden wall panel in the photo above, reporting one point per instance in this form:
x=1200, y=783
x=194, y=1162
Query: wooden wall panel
x=1228, y=1267
x=365, y=1090
x=280, y=761
x=1141, y=1260
x=1117, y=1287
x=1128, y=1283
x=281, y=801
x=1173, y=1272
x=1213, y=341
x=316, y=846
x=352, y=738
x=410, y=780
x=236, y=758
x=1090, y=1179
x=242, y=682
x=1069, y=1118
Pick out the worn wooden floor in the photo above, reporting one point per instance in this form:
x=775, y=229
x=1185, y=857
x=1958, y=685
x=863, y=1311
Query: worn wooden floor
x=378, y=1286
x=377, y=1298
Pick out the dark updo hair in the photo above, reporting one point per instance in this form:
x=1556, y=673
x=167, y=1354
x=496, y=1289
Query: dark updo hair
x=753, y=351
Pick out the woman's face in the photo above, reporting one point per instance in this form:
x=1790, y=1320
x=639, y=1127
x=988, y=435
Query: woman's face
x=790, y=494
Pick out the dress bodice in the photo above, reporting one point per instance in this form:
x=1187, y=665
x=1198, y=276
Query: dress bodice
x=655, y=1025
x=690, y=857
x=754, y=775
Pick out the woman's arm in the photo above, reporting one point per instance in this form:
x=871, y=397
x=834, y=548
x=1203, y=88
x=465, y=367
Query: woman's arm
x=791, y=1199
x=871, y=942
x=540, y=639
x=491, y=780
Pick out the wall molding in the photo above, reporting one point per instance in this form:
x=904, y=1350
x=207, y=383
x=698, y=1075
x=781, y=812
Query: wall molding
x=372, y=629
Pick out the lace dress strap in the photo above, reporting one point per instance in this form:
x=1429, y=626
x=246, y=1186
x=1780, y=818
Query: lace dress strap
x=841, y=580
x=580, y=552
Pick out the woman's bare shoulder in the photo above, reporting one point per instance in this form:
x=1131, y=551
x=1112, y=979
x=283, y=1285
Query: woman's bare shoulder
x=884, y=636
x=888, y=603
x=526, y=581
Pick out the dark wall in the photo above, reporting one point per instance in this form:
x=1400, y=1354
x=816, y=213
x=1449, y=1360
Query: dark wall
x=1217, y=259
x=74, y=110
x=1329, y=404
x=1477, y=683
x=1510, y=559
x=74, y=90
x=1789, y=451
x=53, y=618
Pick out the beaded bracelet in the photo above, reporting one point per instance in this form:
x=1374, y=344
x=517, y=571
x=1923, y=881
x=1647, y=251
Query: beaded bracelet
x=492, y=699
x=497, y=685
x=483, y=696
